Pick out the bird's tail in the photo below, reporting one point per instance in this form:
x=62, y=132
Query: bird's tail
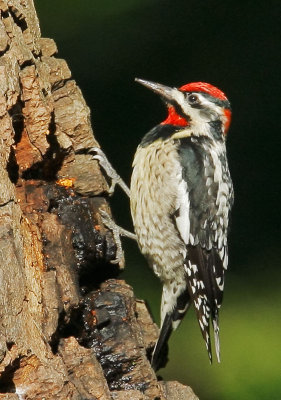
x=159, y=355
x=205, y=277
x=215, y=321
x=171, y=321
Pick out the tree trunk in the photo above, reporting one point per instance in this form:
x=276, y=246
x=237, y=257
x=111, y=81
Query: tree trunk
x=68, y=328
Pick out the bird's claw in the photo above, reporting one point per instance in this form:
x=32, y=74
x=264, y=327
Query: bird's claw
x=109, y=170
x=117, y=232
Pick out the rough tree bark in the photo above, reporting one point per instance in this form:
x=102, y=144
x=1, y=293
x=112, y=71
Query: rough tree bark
x=68, y=328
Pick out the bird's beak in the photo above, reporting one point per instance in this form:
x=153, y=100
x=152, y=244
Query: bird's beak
x=166, y=92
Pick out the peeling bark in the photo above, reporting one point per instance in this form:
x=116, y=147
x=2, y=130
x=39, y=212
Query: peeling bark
x=68, y=328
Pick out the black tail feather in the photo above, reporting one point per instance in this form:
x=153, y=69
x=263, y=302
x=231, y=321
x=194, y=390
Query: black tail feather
x=160, y=352
x=171, y=321
x=205, y=278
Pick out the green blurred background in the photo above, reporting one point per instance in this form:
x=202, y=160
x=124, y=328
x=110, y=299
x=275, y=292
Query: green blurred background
x=234, y=45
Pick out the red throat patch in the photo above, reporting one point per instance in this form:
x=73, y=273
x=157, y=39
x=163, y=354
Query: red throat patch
x=174, y=118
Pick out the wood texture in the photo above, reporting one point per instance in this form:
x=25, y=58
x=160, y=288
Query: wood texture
x=67, y=331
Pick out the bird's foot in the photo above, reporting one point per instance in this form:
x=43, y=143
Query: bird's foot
x=109, y=170
x=117, y=232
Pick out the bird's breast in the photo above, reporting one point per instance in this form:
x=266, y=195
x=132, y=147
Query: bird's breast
x=154, y=185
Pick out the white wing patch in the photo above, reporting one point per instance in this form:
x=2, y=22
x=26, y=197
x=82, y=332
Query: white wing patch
x=182, y=218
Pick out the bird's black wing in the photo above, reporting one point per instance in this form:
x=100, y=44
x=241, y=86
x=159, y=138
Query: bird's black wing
x=205, y=237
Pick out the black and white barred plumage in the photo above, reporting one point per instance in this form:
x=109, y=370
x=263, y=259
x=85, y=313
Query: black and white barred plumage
x=181, y=196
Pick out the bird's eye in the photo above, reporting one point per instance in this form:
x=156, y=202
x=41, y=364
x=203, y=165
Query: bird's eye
x=192, y=98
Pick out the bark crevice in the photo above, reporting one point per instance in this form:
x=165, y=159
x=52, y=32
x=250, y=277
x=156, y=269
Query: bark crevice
x=69, y=329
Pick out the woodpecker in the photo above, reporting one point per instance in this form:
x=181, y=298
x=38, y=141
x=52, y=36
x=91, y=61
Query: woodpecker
x=181, y=196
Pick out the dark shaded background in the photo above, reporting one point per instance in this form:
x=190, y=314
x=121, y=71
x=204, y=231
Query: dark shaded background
x=234, y=45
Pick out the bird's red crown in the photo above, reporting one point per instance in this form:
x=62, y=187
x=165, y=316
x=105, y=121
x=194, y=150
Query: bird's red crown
x=175, y=119
x=205, y=88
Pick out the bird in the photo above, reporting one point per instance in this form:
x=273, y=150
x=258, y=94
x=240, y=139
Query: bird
x=181, y=195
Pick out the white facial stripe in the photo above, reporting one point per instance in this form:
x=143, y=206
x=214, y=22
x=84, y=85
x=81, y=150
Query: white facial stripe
x=178, y=96
x=199, y=116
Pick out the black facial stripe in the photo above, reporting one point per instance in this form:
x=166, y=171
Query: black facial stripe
x=197, y=105
x=218, y=102
x=179, y=110
x=216, y=129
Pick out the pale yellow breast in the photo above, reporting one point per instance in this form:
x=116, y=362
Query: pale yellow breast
x=154, y=194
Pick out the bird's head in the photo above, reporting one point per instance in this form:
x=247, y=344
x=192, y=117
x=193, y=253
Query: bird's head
x=198, y=105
